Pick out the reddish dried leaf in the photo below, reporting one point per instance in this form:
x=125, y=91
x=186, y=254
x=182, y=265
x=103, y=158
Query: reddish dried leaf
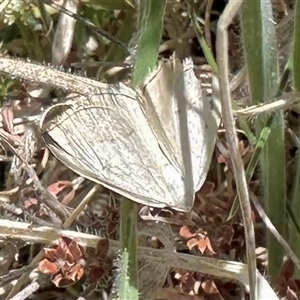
x=208, y=245
x=56, y=187
x=186, y=232
x=202, y=245
x=292, y=285
x=51, y=254
x=95, y=274
x=288, y=269
x=67, y=263
x=75, y=250
x=30, y=202
x=281, y=285
x=47, y=267
x=74, y=273
x=191, y=243
x=67, y=240
x=62, y=249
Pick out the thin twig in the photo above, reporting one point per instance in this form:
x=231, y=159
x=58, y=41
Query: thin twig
x=43, y=195
x=80, y=207
x=287, y=101
x=29, y=290
x=48, y=235
x=274, y=231
x=12, y=275
x=229, y=13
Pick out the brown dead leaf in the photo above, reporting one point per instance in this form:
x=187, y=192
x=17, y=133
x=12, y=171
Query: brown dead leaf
x=98, y=254
x=95, y=274
x=205, y=244
x=193, y=242
x=287, y=270
x=75, y=272
x=47, y=267
x=64, y=262
x=226, y=234
x=195, y=239
x=98, y=265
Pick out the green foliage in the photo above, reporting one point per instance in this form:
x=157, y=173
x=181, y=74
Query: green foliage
x=151, y=16
x=260, y=49
x=21, y=11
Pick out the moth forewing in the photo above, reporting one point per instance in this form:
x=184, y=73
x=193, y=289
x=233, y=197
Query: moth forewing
x=105, y=138
x=186, y=119
x=154, y=120
x=203, y=120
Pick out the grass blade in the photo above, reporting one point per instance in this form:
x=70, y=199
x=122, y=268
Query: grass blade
x=259, y=39
x=151, y=15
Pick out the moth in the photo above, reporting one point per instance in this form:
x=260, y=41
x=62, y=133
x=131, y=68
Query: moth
x=152, y=145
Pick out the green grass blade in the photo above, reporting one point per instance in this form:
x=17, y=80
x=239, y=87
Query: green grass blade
x=295, y=202
x=296, y=53
x=150, y=26
x=128, y=271
x=260, y=48
x=253, y=163
x=205, y=48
